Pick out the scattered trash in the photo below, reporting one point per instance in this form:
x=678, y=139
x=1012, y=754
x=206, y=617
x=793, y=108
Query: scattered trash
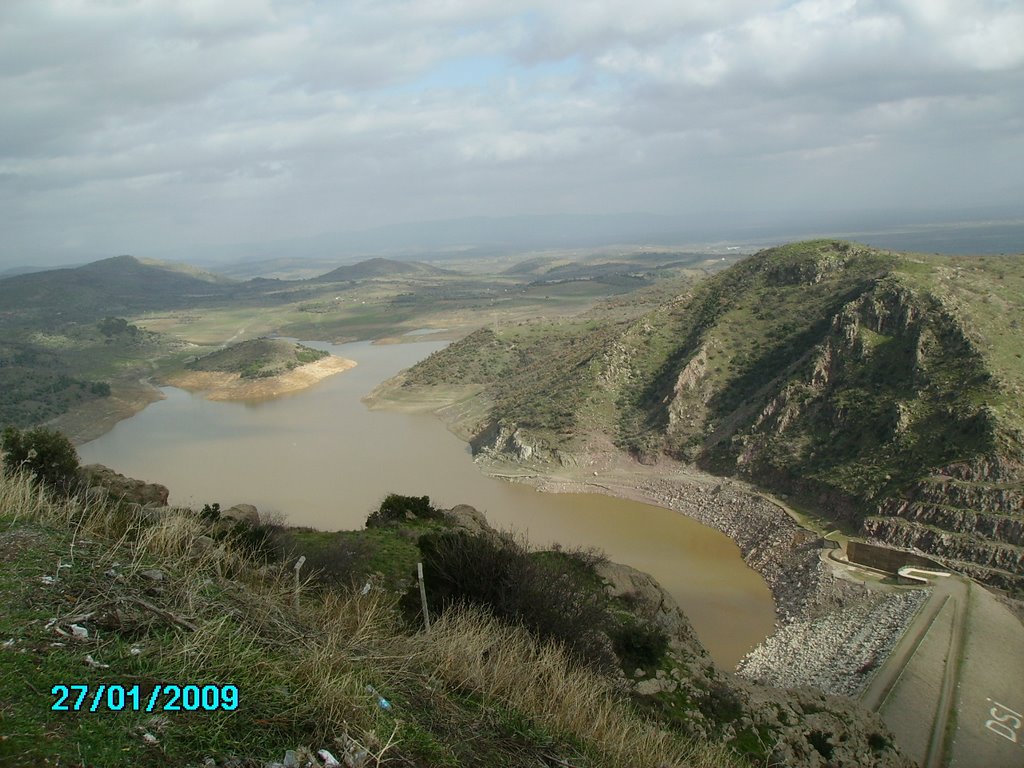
x=291, y=759
x=93, y=663
x=149, y=738
x=366, y=589
x=79, y=632
x=381, y=701
x=153, y=575
x=135, y=650
x=330, y=761
x=47, y=579
x=353, y=755
x=9, y=643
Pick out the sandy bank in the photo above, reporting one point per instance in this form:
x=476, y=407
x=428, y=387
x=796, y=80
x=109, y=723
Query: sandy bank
x=231, y=386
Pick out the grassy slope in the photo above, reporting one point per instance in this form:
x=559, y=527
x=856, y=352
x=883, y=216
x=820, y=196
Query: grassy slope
x=301, y=672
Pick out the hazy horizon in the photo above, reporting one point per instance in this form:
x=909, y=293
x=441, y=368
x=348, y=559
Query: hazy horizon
x=207, y=132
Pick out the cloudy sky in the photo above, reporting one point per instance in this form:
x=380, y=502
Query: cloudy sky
x=156, y=126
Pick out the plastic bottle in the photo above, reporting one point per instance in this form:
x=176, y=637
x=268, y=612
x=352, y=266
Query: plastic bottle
x=381, y=701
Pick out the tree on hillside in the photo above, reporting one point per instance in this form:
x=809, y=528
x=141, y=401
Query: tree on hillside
x=44, y=453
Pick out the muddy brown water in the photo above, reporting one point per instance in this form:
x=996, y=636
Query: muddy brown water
x=321, y=458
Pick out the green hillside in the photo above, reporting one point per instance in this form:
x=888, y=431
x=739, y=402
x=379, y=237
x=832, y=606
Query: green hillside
x=257, y=358
x=121, y=285
x=379, y=268
x=883, y=388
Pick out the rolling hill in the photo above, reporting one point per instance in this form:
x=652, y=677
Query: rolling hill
x=257, y=358
x=882, y=389
x=381, y=268
x=116, y=286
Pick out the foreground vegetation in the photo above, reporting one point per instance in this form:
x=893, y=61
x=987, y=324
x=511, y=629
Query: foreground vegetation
x=156, y=607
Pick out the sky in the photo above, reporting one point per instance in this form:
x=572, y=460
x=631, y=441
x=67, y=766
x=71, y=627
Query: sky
x=174, y=127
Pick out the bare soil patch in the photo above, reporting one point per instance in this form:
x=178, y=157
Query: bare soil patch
x=231, y=386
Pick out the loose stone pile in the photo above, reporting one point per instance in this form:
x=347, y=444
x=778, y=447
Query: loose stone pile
x=836, y=652
x=834, y=632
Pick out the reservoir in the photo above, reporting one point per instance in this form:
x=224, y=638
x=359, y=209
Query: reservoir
x=321, y=458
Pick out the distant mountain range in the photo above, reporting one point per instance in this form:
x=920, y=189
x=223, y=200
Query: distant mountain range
x=114, y=286
x=125, y=285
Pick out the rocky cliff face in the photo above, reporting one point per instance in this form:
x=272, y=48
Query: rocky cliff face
x=501, y=437
x=895, y=394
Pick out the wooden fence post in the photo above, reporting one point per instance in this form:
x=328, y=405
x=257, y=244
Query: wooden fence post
x=298, y=566
x=423, y=597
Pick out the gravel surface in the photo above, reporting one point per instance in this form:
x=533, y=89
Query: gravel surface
x=837, y=652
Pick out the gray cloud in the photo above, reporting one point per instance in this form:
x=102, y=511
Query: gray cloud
x=131, y=126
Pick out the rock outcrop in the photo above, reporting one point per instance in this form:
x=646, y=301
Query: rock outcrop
x=117, y=487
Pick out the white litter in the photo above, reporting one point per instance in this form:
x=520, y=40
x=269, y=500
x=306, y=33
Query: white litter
x=330, y=761
x=93, y=663
x=79, y=632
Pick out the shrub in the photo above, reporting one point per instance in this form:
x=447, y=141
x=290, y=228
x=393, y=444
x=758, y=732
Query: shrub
x=498, y=574
x=342, y=561
x=396, y=507
x=210, y=512
x=45, y=453
x=639, y=645
x=256, y=541
x=722, y=704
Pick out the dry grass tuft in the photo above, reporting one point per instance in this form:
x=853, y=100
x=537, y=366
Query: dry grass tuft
x=468, y=649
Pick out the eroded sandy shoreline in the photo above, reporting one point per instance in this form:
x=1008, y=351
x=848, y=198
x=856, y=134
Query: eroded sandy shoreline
x=231, y=386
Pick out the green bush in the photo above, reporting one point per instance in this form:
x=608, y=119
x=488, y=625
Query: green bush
x=500, y=575
x=44, y=453
x=210, y=512
x=639, y=645
x=398, y=508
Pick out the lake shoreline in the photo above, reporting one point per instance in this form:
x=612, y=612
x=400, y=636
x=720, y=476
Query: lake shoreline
x=814, y=595
x=759, y=615
x=234, y=388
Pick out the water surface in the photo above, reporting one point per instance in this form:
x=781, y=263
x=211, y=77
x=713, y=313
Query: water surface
x=321, y=458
